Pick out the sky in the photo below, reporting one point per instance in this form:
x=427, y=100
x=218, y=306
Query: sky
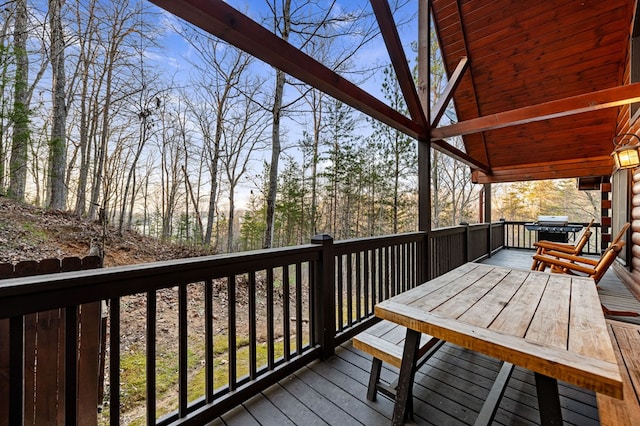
x=178, y=53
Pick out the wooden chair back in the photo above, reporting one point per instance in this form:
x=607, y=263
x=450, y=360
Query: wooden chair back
x=584, y=238
x=606, y=260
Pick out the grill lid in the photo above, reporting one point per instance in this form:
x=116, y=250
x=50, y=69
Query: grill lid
x=553, y=220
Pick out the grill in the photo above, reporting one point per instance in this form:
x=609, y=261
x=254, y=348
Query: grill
x=553, y=228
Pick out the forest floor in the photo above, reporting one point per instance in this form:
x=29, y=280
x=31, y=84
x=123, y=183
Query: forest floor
x=30, y=233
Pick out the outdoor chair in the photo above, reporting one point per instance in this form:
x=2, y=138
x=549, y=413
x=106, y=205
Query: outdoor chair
x=580, y=241
x=560, y=262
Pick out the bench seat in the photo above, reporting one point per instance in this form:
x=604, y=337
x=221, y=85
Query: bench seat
x=626, y=342
x=385, y=342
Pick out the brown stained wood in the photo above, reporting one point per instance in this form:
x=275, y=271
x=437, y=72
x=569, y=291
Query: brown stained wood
x=549, y=321
x=4, y=372
x=88, y=363
x=454, y=81
x=399, y=61
x=607, y=98
x=556, y=170
x=6, y=270
x=528, y=54
x=49, y=364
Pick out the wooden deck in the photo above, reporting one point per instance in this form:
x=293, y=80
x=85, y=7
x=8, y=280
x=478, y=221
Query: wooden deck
x=449, y=390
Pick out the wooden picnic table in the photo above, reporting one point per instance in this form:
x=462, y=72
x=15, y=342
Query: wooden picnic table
x=552, y=324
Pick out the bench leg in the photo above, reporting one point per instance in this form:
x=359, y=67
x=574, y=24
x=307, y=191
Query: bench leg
x=491, y=404
x=407, y=374
x=548, y=400
x=374, y=379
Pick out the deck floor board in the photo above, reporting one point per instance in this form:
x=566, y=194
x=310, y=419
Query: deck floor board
x=449, y=389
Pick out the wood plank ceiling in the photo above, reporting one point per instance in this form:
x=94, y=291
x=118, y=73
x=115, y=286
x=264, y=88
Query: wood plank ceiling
x=534, y=53
x=540, y=95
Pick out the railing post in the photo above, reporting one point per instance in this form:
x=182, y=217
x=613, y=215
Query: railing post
x=324, y=311
x=467, y=237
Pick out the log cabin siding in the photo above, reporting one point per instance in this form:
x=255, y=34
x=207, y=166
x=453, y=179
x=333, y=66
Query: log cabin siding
x=630, y=274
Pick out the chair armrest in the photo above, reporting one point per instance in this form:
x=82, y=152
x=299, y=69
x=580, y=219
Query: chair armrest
x=572, y=258
x=561, y=263
x=550, y=245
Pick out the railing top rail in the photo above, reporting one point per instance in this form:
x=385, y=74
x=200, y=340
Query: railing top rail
x=346, y=246
x=19, y=296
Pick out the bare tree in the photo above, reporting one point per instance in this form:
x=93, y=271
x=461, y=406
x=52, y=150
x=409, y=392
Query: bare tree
x=20, y=114
x=57, y=192
x=243, y=134
x=219, y=70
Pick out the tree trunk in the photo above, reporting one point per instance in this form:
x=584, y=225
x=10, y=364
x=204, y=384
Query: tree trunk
x=275, y=156
x=58, y=142
x=20, y=116
x=275, y=133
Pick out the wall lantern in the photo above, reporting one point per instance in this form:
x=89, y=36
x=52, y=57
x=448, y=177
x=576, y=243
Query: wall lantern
x=625, y=152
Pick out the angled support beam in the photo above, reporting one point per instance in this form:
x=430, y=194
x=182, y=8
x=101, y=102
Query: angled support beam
x=441, y=106
x=454, y=152
x=607, y=98
x=221, y=20
x=399, y=60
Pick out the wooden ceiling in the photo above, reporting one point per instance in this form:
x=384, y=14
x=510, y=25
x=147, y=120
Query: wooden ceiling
x=538, y=96
x=537, y=63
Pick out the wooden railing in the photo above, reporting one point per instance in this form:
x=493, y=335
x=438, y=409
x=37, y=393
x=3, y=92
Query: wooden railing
x=518, y=236
x=244, y=321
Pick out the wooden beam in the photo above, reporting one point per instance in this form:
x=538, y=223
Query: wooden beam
x=221, y=20
x=579, y=167
x=398, y=60
x=459, y=155
x=441, y=106
x=607, y=98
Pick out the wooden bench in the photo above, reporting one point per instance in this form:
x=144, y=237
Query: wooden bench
x=622, y=412
x=385, y=342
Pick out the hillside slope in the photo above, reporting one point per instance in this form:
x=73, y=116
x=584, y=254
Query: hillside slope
x=32, y=233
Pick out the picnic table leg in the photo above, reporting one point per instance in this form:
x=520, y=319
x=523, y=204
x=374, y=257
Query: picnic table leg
x=548, y=400
x=407, y=373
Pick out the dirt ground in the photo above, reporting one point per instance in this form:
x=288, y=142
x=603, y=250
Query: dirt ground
x=30, y=233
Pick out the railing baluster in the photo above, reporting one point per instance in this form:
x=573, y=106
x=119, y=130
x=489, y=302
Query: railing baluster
x=208, y=332
x=394, y=280
x=183, y=364
x=340, y=292
x=367, y=282
x=299, y=308
x=374, y=281
x=253, y=337
x=358, y=280
x=270, y=321
x=231, y=312
x=286, y=315
x=349, y=290
x=151, y=356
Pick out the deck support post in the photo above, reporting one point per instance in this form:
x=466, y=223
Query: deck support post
x=324, y=309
